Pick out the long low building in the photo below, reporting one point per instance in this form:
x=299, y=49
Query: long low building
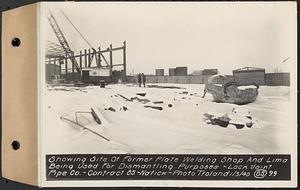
x=249, y=75
x=178, y=71
x=277, y=79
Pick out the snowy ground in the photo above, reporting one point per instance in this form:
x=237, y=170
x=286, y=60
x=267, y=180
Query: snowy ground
x=177, y=129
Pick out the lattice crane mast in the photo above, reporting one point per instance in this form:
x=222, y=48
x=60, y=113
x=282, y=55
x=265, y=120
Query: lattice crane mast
x=63, y=41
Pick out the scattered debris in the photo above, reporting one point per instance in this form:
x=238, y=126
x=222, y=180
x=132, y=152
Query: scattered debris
x=154, y=107
x=141, y=94
x=170, y=105
x=92, y=112
x=102, y=84
x=158, y=86
x=125, y=108
x=242, y=112
x=95, y=116
x=111, y=109
x=184, y=92
x=222, y=121
x=158, y=102
x=236, y=118
x=124, y=98
x=84, y=127
x=142, y=100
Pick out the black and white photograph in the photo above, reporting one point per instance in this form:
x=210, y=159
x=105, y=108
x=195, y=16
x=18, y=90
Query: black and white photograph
x=131, y=78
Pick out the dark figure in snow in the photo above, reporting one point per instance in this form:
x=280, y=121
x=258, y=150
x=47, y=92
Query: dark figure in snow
x=139, y=79
x=144, y=79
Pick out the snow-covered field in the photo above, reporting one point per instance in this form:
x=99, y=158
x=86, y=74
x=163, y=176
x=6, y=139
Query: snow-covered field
x=177, y=129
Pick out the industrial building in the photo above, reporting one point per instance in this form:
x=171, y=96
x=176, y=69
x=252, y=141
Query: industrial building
x=210, y=71
x=181, y=71
x=172, y=71
x=197, y=72
x=205, y=72
x=277, y=79
x=178, y=71
x=159, y=72
x=249, y=75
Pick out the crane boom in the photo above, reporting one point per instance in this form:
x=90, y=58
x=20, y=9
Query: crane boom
x=88, y=43
x=62, y=40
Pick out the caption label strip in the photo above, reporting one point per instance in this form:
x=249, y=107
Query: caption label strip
x=167, y=167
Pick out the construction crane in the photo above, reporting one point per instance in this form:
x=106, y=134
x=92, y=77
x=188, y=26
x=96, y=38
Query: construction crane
x=63, y=41
x=98, y=61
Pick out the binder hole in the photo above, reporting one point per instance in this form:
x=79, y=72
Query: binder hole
x=15, y=145
x=15, y=42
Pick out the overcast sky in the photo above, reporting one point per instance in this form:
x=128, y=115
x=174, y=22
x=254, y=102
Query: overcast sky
x=225, y=36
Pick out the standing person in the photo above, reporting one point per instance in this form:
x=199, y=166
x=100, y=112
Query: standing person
x=144, y=79
x=139, y=79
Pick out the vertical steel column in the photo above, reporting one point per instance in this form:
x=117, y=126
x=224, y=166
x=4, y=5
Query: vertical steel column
x=99, y=56
x=89, y=57
x=80, y=60
x=110, y=59
x=124, y=61
x=66, y=67
x=73, y=73
x=60, y=63
x=85, y=58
